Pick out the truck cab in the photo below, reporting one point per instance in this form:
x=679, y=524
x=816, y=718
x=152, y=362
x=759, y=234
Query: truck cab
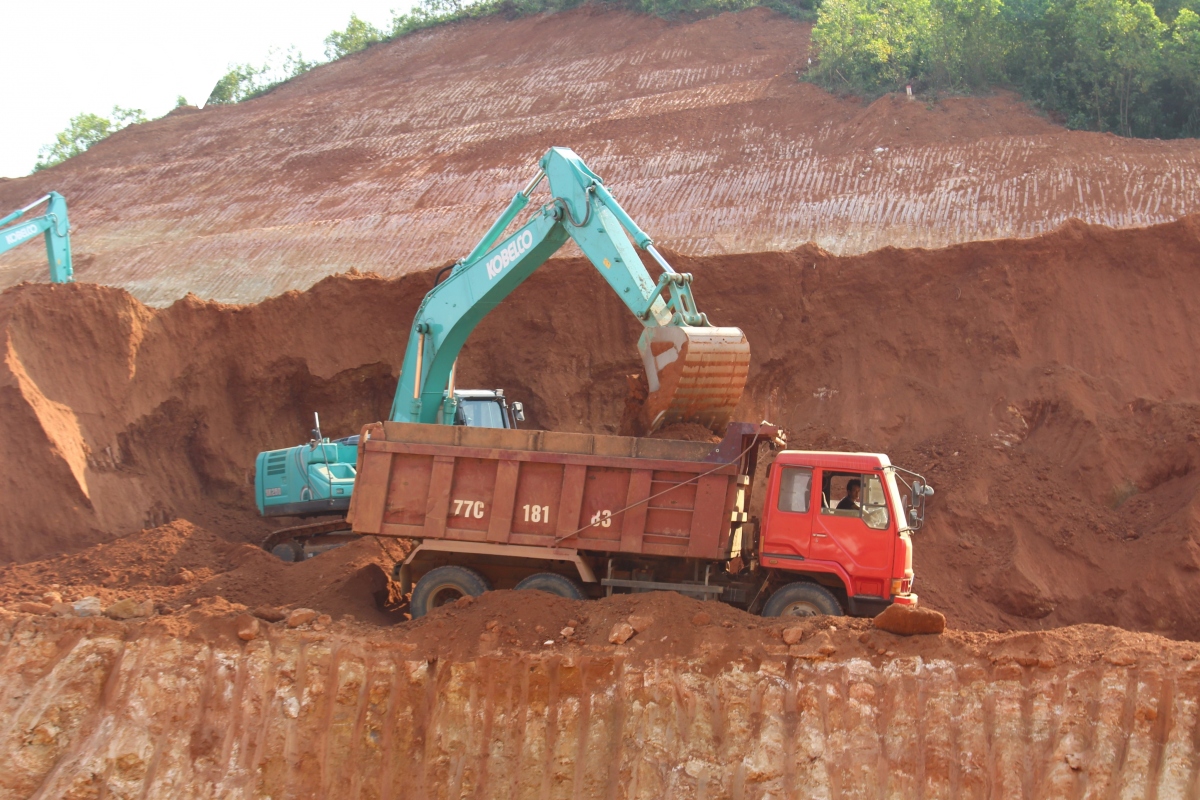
x=836, y=520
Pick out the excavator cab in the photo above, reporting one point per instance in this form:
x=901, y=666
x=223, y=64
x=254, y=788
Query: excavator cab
x=486, y=408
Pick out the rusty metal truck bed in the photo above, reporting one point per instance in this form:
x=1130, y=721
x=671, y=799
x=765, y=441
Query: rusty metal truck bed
x=524, y=487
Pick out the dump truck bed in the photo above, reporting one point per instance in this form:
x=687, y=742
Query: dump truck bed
x=588, y=492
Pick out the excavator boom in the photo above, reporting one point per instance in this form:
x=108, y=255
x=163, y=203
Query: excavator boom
x=695, y=371
x=53, y=224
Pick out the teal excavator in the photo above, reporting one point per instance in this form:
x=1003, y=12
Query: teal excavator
x=695, y=372
x=53, y=224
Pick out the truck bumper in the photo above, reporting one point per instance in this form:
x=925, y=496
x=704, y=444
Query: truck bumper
x=909, y=599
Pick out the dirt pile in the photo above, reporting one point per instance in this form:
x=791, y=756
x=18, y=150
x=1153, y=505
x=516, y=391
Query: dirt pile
x=1046, y=387
x=722, y=708
x=397, y=159
x=179, y=566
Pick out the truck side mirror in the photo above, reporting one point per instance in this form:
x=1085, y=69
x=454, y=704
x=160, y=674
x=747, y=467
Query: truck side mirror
x=460, y=415
x=916, y=504
x=518, y=411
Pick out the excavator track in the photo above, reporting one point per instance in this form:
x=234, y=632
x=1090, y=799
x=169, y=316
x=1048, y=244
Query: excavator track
x=694, y=374
x=300, y=541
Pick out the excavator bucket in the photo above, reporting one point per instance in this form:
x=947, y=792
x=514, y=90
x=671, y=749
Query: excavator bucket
x=694, y=374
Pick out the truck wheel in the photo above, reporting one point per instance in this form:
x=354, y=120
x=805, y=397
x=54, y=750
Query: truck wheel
x=802, y=599
x=290, y=551
x=444, y=585
x=552, y=584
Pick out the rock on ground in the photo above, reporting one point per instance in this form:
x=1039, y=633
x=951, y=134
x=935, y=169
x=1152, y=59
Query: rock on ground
x=909, y=621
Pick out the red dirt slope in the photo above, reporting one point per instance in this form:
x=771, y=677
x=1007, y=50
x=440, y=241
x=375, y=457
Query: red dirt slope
x=398, y=158
x=1046, y=386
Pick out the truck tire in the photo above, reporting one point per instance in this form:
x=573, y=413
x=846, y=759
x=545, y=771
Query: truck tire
x=550, y=583
x=802, y=599
x=444, y=585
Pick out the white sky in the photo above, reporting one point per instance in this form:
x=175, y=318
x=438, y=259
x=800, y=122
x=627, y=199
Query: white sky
x=87, y=56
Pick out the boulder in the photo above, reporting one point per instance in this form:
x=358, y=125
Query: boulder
x=87, y=607
x=909, y=621
x=248, y=627
x=269, y=614
x=33, y=608
x=301, y=616
x=620, y=633
x=130, y=609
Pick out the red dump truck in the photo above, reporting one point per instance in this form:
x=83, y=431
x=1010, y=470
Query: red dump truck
x=583, y=515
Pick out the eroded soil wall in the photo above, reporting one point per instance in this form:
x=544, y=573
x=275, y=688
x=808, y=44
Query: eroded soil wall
x=105, y=709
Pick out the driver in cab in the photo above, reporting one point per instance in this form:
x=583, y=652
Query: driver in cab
x=850, y=501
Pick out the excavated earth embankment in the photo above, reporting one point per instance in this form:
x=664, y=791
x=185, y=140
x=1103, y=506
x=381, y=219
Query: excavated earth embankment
x=398, y=158
x=486, y=702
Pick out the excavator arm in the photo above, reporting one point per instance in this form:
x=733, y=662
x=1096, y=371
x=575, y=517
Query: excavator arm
x=53, y=224
x=695, y=371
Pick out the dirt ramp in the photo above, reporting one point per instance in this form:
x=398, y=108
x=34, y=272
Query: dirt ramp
x=106, y=708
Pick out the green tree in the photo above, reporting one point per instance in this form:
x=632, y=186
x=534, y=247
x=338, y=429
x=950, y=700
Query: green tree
x=124, y=117
x=234, y=86
x=1181, y=66
x=359, y=35
x=82, y=132
x=428, y=13
x=1117, y=45
x=245, y=81
x=967, y=44
x=871, y=44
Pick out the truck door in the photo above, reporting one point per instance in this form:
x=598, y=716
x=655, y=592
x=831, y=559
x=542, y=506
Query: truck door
x=788, y=522
x=856, y=533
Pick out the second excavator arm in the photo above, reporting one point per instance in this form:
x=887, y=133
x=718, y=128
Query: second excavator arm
x=695, y=371
x=53, y=224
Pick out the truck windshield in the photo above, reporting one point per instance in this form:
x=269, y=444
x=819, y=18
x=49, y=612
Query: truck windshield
x=482, y=413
